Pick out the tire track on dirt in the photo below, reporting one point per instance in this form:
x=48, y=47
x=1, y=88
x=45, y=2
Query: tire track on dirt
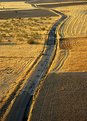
x=33, y=81
x=11, y=98
x=65, y=52
x=61, y=62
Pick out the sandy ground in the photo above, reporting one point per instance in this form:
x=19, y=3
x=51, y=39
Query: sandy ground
x=14, y=5
x=63, y=96
x=14, y=63
x=21, y=42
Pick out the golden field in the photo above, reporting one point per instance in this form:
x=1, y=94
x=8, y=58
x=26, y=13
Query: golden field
x=21, y=42
x=28, y=30
x=63, y=94
x=73, y=39
x=14, y=5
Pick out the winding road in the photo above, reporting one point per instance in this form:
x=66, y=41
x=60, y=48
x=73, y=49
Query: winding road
x=20, y=106
x=23, y=102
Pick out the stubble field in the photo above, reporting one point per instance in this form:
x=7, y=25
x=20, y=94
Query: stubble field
x=21, y=42
x=63, y=95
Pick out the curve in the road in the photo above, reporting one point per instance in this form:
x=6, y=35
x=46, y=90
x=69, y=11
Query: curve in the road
x=24, y=99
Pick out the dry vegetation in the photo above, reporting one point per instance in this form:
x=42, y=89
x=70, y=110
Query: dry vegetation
x=14, y=5
x=21, y=42
x=28, y=30
x=76, y=24
x=63, y=96
x=74, y=38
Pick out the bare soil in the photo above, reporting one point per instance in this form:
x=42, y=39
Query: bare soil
x=63, y=94
x=21, y=42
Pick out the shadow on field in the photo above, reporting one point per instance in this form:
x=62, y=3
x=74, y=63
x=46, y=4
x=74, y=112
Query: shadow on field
x=51, y=1
x=26, y=13
x=63, y=97
x=62, y=4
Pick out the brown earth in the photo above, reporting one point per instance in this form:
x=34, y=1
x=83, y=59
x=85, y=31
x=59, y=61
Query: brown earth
x=63, y=94
x=21, y=42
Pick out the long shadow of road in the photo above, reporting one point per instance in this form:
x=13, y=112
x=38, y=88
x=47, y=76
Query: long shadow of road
x=62, y=4
x=62, y=97
x=25, y=13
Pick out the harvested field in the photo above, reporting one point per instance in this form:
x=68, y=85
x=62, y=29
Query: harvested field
x=76, y=24
x=14, y=63
x=63, y=94
x=21, y=42
x=14, y=5
x=77, y=58
x=74, y=39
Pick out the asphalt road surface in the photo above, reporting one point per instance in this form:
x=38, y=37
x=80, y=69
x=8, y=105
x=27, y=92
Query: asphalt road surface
x=19, y=109
x=47, y=101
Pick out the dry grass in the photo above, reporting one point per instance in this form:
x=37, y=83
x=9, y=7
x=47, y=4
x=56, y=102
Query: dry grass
x=63, y=96
x=74, y=39
x=14, y=5
x=76, y=24
x=21, y=42
x=28, y=30
x=14, y=63
x=77, y=59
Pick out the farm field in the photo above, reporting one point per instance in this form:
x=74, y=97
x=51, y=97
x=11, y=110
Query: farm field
x=16, y=5
x=25, y=30
x=21, y=42
x=43, y=60
x=63, y=94
x=73, y=38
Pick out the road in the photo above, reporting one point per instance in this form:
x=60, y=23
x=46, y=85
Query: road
x=21, y=106
x=63, y=95
x=23, y=101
